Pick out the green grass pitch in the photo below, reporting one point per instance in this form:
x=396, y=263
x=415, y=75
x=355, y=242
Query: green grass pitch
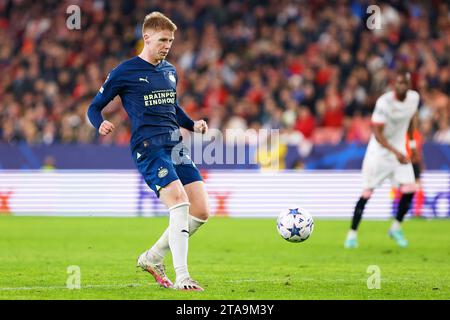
x=243, y=259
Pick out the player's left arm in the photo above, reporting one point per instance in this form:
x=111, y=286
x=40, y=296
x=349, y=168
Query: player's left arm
x=183, y=119
x=200, y=126
x=413, y=124
x=186, y=122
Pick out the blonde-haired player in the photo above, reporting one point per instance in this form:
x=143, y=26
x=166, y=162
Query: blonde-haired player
x=146, y=85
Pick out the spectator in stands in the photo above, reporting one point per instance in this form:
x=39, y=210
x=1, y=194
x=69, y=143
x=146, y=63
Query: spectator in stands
x=241, y=64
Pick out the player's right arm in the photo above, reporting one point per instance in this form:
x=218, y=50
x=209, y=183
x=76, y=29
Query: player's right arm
x=106, y=93
x=378, y=120
x=378, y=132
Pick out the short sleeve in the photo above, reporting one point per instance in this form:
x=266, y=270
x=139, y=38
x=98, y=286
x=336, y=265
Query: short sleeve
x=380, y=113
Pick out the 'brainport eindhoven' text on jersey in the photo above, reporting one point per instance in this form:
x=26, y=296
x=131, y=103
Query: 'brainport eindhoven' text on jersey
x=148, y=95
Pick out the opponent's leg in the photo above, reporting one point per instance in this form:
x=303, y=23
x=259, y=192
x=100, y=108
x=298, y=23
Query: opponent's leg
x=405, y=203
x=352, y=240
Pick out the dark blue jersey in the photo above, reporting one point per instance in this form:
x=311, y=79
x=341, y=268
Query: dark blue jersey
x=148, y=94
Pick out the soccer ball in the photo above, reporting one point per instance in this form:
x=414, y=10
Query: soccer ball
x=295, y=224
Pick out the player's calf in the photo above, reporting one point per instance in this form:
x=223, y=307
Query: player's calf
x=351, y=240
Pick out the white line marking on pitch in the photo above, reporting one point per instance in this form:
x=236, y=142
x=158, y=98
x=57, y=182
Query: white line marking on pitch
x=130, y=285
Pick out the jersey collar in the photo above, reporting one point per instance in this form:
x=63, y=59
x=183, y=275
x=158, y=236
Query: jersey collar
x=150, y=64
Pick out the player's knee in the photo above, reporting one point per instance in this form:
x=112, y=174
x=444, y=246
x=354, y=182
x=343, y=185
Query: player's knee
x=203, y=215
x=176, y=194
x=408, y=188
x=366, y=194
x=201, y=212
x=179, y=197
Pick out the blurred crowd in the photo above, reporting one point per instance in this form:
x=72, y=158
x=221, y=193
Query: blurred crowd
x=312, y=69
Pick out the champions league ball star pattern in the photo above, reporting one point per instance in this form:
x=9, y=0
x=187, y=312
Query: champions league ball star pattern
x=295, y=225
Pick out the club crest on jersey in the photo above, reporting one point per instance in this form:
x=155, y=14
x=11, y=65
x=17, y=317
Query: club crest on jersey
x=171, y=77
x=162, y=172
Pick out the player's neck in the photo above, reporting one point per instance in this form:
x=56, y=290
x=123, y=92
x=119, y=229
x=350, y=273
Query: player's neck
x=399, y=97
x=147, y=57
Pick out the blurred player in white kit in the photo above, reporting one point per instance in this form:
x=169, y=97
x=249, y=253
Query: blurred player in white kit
x=392, y=122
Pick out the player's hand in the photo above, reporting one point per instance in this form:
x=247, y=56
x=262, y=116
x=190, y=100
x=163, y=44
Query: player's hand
x=402, y=158
x=105, y=128
x=200, y=126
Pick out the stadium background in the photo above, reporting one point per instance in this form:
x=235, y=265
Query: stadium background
x=311, y=69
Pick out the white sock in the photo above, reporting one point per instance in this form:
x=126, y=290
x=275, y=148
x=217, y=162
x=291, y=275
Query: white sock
x=194, y=224
x=179, y=238
x=352, y=234
x=396, y=225
x=160, y=248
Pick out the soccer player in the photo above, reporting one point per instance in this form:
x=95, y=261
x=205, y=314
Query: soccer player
x=146, y=85
x=385, y=156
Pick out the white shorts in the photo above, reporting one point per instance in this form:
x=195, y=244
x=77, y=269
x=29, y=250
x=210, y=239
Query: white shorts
x=376, y=169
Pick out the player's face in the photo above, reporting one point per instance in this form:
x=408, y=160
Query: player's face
x=402, y=84
x=159, y=43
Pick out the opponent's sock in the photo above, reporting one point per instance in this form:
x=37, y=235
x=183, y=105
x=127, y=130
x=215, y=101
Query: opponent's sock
x=179, y=238
x=396, y=225
x=352, y=234
x=160, y=248
x=404, y=205
x=357, y=214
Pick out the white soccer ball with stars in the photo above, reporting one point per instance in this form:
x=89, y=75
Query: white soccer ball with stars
x=295, y=224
